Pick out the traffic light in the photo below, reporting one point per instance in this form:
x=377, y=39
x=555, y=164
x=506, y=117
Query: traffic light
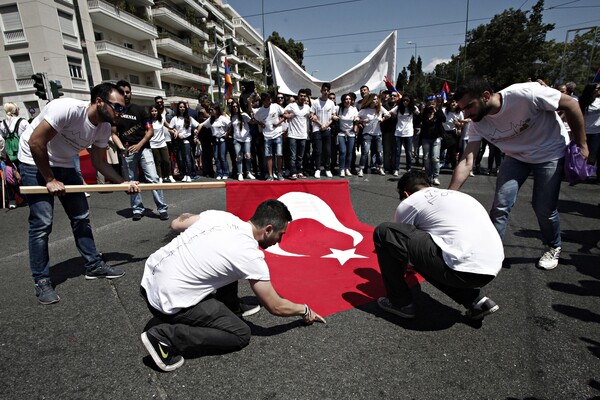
x=40, y=85
x=229, y=48
x=55, y=86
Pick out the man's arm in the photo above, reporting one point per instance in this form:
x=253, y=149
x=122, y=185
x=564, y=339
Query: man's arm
x=281, y=307
x=38, y=144
x=464, y=166
x=570, y=107
x=184, y=221
x=117, y=140
x=147, y=136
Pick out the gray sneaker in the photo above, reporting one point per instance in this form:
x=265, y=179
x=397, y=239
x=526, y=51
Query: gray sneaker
x=105, y=271
x=481, y=308
x=45, y=293
x=407, y=311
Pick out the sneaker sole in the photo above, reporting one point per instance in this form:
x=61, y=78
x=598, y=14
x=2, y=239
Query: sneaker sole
x=538, y=266
x=484, y=314
x=396, y=311
x=91, y=277
x=251, y=311
x=157, y=360
x=46, y=303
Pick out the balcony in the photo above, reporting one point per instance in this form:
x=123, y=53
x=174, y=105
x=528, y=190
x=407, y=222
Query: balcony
x=246, y=30
x=114, y=54
x=254, y=50
x=175, y=19
x=183, y=74
x=193, y=4
x=114, y=19
x=213, y=26
x=250, y=63
x=178, y=48
x=146, y=93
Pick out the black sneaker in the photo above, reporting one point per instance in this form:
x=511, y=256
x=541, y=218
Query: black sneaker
x=161, y=352
x=105, y=271
x=137, y=216
x=164, y=216
x=246, y=310
x=45, y=292
x=482, y=307
x=407, y=311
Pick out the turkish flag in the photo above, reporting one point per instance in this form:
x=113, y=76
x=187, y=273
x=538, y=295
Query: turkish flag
x=326, y=257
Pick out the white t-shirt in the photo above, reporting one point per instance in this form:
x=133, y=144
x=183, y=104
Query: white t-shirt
x=459, y=225
x=592, y=118
x=373, y=124
x=218, y=127
x=527, y=126
x=11, y=126
x=159, y=139
x=241, y=134
x=404, y=122
x=270, y=116
x=179, y=124
x=347, y=117
x=75, y=132
x=298, y=124
x=324, y=110
x=215, y=251
x=451, y=117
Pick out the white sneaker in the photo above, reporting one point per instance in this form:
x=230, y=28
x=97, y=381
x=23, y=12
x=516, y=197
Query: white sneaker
x=328, y=173
x=395, y=173
x=318, y=174
x=360, y=172
x=471, y=173
x=159, y=180
x=348, y=173
x=250, y=176
x=436, y=181
x=218, y=178
x=342, y=173
x=549, y=259
x=86, y=195
x=225, y=177
x=381, y=171
x=240, y=177
x=171, y=179
x=186, y=179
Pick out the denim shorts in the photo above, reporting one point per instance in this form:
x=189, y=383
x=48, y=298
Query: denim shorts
x=276, y=143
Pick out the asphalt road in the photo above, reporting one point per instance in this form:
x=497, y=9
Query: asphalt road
x=543, y=343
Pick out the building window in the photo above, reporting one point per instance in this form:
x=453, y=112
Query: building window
x=105, y=74
x=128, y=45
x=134, y=79
x=23, y=70
x=67, y=28
x=98, y=36
x=12, y=28
x=75, y=69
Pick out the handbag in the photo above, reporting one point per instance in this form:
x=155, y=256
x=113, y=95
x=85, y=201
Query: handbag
x=577, y=169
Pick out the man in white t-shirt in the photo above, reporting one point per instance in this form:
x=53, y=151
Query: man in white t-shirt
x=190, y=284
x=46, y=149
x=297, y=114
x=322, y=111
x=522, y=121
x=448, y=238
x=270, y=118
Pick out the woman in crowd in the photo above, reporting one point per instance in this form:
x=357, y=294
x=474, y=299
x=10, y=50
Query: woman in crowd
x=348, y=117
x=432, y=131
x=181, y=128
x=241, y=140
x=405, y=111
x=370, y=115
x=589, y=101
x=219, y=124
x=452, y=131
x=158, y=144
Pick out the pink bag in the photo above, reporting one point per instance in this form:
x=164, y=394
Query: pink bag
x=12, y=175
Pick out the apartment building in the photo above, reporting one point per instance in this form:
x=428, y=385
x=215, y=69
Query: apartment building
x=163, y=47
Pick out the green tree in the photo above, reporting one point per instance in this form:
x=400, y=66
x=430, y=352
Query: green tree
x=292, y=48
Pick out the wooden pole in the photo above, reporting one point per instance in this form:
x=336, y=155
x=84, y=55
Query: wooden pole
x=123, y=187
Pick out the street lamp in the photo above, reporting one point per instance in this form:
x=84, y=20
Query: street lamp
x=415, y=43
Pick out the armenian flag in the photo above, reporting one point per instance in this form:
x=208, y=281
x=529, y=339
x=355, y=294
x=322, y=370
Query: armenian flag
x=228, y=81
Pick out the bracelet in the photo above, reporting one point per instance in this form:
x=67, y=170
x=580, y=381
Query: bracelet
x=306, y=311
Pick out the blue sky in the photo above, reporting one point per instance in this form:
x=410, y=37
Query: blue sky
x=338, y=34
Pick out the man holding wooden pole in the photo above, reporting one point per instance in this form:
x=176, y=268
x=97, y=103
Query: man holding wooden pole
x=64, y=128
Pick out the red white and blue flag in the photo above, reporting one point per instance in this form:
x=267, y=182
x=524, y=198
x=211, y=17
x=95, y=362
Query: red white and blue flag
x=228, y=82
x=389, y=85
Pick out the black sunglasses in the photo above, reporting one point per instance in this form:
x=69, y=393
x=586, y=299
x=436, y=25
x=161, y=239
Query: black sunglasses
x=115, y=106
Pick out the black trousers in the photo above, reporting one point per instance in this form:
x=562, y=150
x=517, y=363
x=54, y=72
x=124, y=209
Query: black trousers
x=398, y=244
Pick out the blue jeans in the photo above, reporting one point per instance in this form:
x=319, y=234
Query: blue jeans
x=346, y=146
x=145, y=160
x=242, y=151
x=546, y=187
x=185, y=160
x=431, y=156
x=405, y=142
x=373, y=143
x=41, y=210
x=321, y=142
x=296, y=154
x=220, y=154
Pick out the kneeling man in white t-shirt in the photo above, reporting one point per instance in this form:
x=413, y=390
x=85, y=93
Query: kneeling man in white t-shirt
x=448, y=238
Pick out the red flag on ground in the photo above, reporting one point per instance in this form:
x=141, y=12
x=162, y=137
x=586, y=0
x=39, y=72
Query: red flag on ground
x=326, y=257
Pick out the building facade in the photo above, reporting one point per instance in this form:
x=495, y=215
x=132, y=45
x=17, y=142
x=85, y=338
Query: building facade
x=163, y=47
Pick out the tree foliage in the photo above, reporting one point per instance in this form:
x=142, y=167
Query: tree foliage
x=292, y=48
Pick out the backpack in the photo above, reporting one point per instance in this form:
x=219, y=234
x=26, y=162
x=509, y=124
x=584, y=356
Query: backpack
x=12, y=140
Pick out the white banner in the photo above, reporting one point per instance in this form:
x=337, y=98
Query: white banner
x=290, y=77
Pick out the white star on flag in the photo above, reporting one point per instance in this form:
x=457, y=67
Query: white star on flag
x=343, y=255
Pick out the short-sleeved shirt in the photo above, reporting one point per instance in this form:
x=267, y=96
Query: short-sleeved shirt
x=69, y=117
x=133, y=124
x=270, y=116
x=298, y=125
x=324, y=110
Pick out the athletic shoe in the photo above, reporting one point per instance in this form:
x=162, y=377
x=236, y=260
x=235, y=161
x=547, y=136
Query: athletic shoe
x=294, y=177
x=549, y=259
x=160, y=180
x=342, y=173
x=360, y=172
x=194, y=178
x=329, y=174
x=381, y=171
x=45, y=293
x=164, y=216
x=250, y=176
x=171, y=179
x=160, y=351
x=87, y=194
x=407, y=311
x=280, y=177
x=301, y=176
x=240, y=177
x=136, y=216
x=247, y=310
x=186, y=179
x=225, y=177
x=471, y=173
x=436, y=181
x=318, y=174
x=105, y=271
x=218, y=177
x=481, y=308
x=348, y=172
x=270, y=178
x=395, y=173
